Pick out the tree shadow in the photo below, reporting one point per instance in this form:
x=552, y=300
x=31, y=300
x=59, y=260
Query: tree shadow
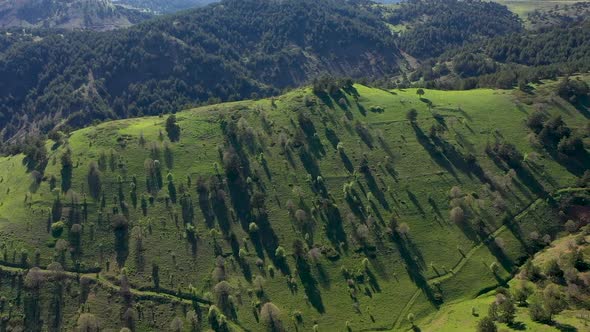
x=270, y=242
x=364, y=133
x=500, y=255
x=334, y=229
x=313, y=141
x=414, y=267
x=121, y=246
x=355, y=204
x=435, y=207
x=374, y=188
x=434, y=153
x=332, y=137
x=346, y=161
x=583, y=106
x=518, y=326
x=309, y=162
x=563, y=327
x=373, y=282
x=415, y=202
x=309, y=284
x=323, y=276
x=203, y=196
x=385, y=146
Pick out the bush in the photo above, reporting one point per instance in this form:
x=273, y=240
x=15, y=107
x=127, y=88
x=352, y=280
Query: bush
x=57, y=229
x=486, y=324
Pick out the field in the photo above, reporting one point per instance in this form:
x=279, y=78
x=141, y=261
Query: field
x=523, y=7
x=362, y=186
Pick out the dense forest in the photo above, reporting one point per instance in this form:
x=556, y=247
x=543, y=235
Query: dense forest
x=506, y=61
x=164, y=6
x=437, y=25
x=229, y=51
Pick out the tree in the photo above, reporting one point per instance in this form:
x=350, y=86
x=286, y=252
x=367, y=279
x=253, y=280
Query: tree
x=172, y=128
x=270, y=315
x=506, y=310
x=67, y=167
x=457, y=214
x=176, y=325
x=486, y=324
x=88, y=323
x=553, y=300
x=223, y=291
x=420, y=92
x=193, y=320
x=553, y=271
x=521, y=293
x=34, y=278
x=537, y=312
x=403, y=229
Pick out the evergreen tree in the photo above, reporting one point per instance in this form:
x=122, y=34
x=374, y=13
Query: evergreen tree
x=172, y=128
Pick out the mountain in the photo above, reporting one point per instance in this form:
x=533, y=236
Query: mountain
x=227, y=51
x=332, y=207
x=164, y=6
x=67, y=14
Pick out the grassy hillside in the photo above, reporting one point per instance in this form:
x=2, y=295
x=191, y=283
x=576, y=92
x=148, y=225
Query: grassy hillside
x=333, y=205
x=465, y=314
x=524, y=7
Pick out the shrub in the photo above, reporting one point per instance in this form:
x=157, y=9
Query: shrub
x=57, y=229
x=486, y=324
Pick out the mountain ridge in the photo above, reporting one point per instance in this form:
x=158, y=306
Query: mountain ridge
x=67, y=14
x=227, y=51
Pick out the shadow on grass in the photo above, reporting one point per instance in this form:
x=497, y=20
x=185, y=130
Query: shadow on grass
x=414, y=266
x=374, y=188
x=434, y=153
x=310, y=285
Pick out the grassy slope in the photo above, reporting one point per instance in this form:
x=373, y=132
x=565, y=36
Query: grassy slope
x=459, y=314
x=473, y=117
x=523, y=7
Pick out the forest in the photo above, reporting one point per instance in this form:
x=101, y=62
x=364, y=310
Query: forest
x=434, y=26
x=231, y=51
